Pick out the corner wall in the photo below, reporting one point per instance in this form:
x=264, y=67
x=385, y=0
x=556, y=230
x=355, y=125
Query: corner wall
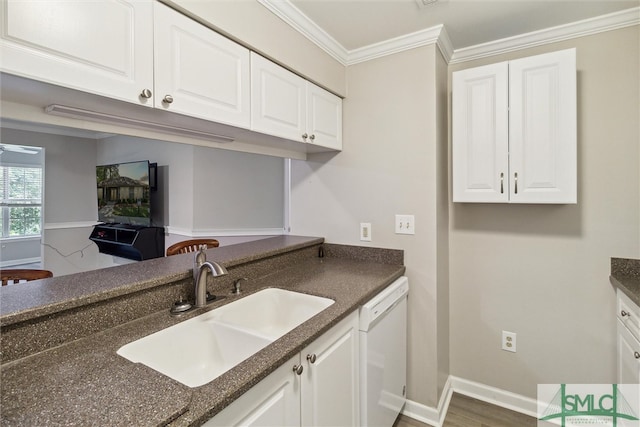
x=542, y=271
x=393, y=134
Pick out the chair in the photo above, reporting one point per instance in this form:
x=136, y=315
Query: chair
x=17, y=275
x=191, y=246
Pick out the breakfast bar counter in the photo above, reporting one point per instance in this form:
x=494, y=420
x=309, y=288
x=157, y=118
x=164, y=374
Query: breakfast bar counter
x=80, y=380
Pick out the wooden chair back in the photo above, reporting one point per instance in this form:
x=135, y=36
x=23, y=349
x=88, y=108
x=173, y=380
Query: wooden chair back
x=18, y=275
x=191, y=246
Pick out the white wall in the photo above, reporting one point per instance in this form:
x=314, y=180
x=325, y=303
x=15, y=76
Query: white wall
x=543, y=271
x=389, y=165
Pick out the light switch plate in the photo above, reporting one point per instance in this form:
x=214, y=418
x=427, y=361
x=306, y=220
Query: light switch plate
x=405, y=224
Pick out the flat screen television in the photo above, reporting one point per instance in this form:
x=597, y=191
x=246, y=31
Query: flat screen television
x=124, y=193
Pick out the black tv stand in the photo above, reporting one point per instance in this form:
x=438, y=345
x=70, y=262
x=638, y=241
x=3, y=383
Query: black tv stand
x=135, y=242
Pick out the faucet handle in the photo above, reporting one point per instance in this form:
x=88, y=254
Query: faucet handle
x=236, y=285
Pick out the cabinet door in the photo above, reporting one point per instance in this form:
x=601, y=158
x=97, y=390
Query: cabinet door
x=103, y=47
x=480, y=134
x=542, y=128
x=274, y=401
x=330, y=387
x=324, y=118
x=278, y=100
x=205, y=74
x=628, y=369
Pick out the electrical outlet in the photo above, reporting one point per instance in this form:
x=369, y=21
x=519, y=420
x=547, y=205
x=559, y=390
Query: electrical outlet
x=509, y=341
x=405, y=224
x=365, y=231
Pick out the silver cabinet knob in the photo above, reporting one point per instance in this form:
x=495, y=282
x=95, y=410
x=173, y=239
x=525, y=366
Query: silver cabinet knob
x=636, y=355
x=305, y=136
x=312, y=137
x=623, y=313
x=298, y=369
x=168, y=99
x=311, y=358
x=146, y=93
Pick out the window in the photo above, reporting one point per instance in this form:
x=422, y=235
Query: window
x=20, y=200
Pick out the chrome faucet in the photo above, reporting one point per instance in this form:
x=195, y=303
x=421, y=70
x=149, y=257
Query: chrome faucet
x=200, y=267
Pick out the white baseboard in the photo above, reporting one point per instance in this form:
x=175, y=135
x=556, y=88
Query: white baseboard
x=14, y=262
x=426, y=414
x=505, y=399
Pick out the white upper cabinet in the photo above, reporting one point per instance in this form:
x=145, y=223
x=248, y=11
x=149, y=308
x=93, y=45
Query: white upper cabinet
x=198, y=72
x=102, y=47
x=514, y=131
x=285, y=105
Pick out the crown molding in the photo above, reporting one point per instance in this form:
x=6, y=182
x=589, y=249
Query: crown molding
x=290, y=14
x=293, y=16
x=398, y=44
x=586, y=27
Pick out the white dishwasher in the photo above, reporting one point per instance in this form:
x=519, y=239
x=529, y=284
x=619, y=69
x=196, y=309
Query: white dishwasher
x=383, y=355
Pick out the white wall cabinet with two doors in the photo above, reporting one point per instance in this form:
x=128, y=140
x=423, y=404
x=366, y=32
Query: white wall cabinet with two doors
x=145, y=53
x=285, y=105
x=514, y=131
x=317, y=387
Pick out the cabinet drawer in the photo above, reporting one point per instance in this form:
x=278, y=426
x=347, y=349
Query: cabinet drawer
x=628, y=313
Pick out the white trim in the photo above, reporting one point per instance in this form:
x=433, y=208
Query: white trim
x=225, y=232
x=586, y=27
x=64, y=225
x=395, y=45
x=294, y=17
x=505, y=399
x=12, y=262
x=495, y=396
x=428, y=415
x=287, y=196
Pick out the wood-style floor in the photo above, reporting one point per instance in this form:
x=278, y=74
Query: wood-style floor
x=468, y=412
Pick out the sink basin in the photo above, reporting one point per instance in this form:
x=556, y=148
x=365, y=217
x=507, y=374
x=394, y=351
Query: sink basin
x=198, y=350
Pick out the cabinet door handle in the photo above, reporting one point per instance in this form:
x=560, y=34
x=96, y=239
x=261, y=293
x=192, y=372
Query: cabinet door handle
x=311, y=358
x=516, y=179
x=501, y=182
x=146, y=93
x=298, y=369
x=636, y=355
x=312, y=137
x=624, y=313
x=168, y=99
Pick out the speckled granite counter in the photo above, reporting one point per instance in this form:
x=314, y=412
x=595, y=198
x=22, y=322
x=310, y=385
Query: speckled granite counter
x=625, y=275
x=84, y=382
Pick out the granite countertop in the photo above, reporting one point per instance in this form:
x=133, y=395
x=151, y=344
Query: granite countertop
x=625, y=275
x=84, y=382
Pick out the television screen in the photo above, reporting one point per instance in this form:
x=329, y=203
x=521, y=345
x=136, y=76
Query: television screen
x=123, y=193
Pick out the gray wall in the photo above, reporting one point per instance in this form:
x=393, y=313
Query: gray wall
x=209, y=191
x=206, y=191
x=543, y=271
x=69, y=196
x=393, y=162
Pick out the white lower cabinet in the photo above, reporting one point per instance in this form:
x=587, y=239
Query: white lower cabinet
x=317, y=387
x=628, y=341
x=628, y=369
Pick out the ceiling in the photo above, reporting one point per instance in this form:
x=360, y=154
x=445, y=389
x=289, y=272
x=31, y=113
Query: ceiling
x=354, y=24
